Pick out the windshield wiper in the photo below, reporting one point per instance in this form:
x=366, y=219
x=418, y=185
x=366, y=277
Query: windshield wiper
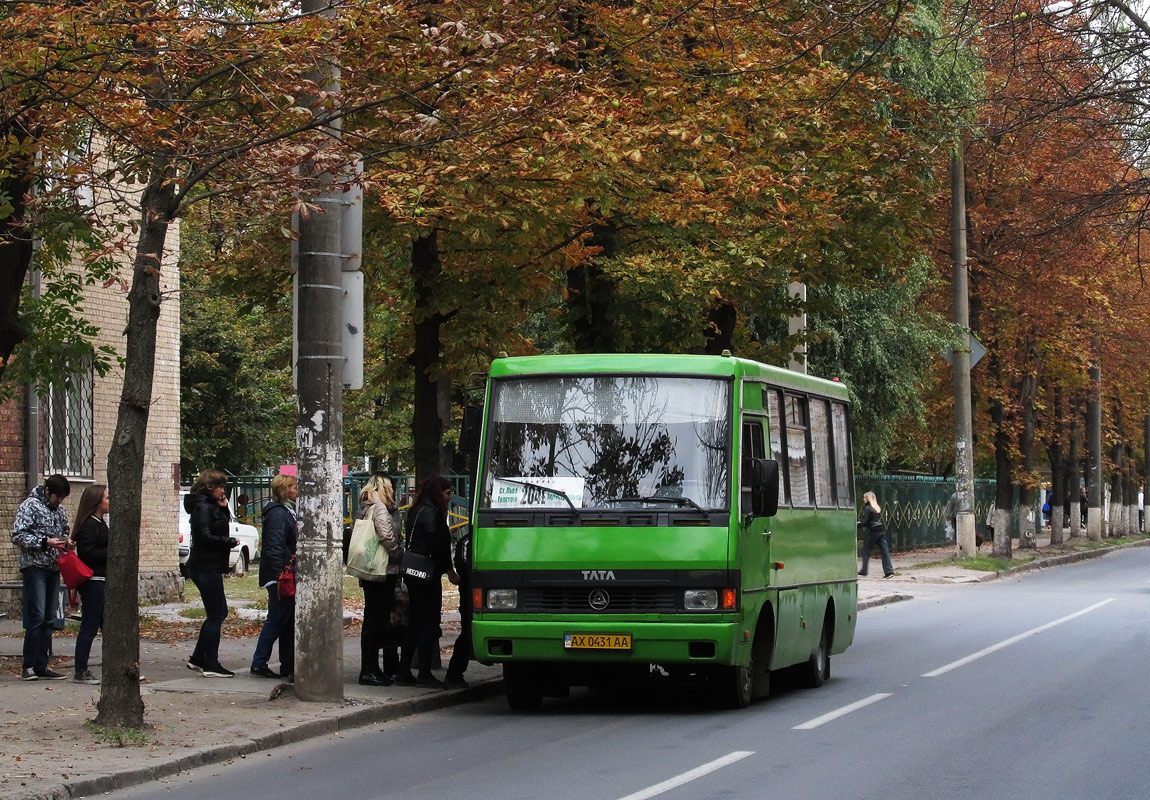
x=679, y=501
x=541, y=487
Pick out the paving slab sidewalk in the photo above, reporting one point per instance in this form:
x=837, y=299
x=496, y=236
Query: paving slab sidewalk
x=48, y=753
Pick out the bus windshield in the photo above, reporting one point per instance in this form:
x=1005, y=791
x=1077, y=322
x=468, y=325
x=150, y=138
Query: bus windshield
x=608, y=441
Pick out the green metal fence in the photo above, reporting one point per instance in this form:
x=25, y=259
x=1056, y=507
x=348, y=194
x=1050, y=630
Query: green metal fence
x=257, y=491
x=913, y=507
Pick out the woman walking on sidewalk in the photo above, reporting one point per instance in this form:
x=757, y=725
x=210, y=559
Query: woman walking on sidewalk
x=874, y=532
x=207, y=506
x=90, y=533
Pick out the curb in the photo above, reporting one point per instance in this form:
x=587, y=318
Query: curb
x=1038, y=563
x=884, y=600
x=1066, y=558
x=345, y=719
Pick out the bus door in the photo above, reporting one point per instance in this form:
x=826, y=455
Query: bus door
x=755, y=531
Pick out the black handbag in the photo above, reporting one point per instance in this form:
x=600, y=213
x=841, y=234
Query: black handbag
x=415, y=566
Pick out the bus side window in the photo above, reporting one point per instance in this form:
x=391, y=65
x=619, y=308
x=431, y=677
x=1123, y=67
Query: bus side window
x=843, y=480
x=754, y=447
x=798, y=455
x=821, y=453
x=776, y=427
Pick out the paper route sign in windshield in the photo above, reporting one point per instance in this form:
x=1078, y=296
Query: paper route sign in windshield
x=511, y=492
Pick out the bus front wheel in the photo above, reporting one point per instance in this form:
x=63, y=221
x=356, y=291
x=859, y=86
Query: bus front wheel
x=734, y=686
x=523, y=688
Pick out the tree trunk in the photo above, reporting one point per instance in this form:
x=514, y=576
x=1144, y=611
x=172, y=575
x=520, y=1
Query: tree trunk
x=1003, y=498
x=120, y=703
x=590, y=295
x=720, y=328
x=426, y=425
x=1071, y=502
x=15, y=251
x=1057, y=478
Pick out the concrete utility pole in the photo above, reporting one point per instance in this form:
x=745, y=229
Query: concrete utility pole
x=963, y=429
x=319, y=430
x=797, y=324
x=1094, y=446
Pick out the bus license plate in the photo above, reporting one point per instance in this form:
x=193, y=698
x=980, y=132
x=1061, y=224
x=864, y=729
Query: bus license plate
x=597, y=641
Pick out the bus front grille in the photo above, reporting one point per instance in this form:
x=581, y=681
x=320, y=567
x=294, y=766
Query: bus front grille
x=619, y=600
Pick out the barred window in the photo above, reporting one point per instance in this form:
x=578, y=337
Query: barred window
x=66, y=427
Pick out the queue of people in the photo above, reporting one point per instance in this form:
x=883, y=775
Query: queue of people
x=401, y=613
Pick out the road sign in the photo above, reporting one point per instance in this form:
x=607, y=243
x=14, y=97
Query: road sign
x=977, y=351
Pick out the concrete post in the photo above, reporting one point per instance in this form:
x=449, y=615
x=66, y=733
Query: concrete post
x=1094, y=447
x=319, y=431
x=963, y=430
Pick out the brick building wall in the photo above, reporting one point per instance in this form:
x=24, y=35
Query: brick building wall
x=107, y=308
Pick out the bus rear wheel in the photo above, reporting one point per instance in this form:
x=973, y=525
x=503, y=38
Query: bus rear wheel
x=523, y=688
x=818, y=667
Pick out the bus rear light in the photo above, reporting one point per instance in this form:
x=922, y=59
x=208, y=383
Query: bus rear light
x=728, y=599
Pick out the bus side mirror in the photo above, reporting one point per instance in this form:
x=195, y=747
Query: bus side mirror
x=768, y=493
x=761, y=477
x=469, y=432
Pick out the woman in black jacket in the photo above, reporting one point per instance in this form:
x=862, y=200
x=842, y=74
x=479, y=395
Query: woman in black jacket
x=278, y=548
x=90, y=533
x=874, y=532
x=207, y=506
x=428, y=534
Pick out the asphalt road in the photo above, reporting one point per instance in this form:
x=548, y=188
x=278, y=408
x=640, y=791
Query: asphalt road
x=1034, y=687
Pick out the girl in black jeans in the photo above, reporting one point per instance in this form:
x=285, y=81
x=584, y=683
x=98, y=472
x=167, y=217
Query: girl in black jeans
x=90, y=533
x=427, y=533
x=207, y=506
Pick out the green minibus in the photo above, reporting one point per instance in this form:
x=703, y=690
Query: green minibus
x=687, y=515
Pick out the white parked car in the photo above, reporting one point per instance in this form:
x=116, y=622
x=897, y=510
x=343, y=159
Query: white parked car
x=242, y=555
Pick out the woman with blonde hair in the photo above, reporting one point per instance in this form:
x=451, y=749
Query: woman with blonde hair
x=377, y=503
x=279, y=546
x=874, y=532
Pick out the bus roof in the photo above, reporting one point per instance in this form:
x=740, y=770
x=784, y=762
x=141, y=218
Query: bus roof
x=663, y=363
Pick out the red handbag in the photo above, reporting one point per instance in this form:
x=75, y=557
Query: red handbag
x=285, y=584
x=72, y=569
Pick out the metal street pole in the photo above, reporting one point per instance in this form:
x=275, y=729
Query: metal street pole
x=319, y=429
x=963, y=428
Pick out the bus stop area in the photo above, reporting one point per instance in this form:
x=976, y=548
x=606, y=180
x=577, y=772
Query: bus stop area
x=48, y=752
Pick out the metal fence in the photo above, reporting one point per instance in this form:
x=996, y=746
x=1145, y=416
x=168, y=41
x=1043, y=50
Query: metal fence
x=256, y=491
x=913, y=507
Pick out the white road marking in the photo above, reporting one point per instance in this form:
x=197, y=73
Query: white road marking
x=687, y=777
x=1012, y=640
x=841, y=712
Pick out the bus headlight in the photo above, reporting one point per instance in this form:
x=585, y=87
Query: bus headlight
x=700, y=600
x=502, y=599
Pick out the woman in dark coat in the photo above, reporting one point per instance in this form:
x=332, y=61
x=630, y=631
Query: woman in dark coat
x=207, y=506
x=874, y=532
x=90, y=533
x=428, y=534
x=278, y=548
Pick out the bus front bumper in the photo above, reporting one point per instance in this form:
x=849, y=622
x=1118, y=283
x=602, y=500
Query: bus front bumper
x=697, y=641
